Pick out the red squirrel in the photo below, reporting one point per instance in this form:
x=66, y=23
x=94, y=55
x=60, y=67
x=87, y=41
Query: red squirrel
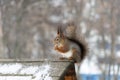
x=70, y=46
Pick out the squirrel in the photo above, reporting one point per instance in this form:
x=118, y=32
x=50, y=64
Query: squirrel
x=70, y=46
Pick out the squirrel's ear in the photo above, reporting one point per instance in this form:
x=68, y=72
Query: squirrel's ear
x=61, y=32
x=58, y=30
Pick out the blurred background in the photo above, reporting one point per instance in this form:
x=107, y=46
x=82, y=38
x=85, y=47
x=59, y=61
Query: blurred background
x=28, y=27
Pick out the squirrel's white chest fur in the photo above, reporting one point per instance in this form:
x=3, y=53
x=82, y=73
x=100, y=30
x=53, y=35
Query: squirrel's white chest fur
x=67, y=54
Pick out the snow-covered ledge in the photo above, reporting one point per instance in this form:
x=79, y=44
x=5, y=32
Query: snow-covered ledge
x=33, y=70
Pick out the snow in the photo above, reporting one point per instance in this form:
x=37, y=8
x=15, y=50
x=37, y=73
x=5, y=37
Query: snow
x=12, y=68
x=19, y=71
x=30, y=70
x=15, y=78
x=43, y=73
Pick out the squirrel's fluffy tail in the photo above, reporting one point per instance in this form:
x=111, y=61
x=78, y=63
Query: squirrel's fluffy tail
x=84, y=47
x=76, y=37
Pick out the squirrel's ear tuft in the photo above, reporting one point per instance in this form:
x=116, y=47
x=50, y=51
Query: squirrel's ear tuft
x=58, y=30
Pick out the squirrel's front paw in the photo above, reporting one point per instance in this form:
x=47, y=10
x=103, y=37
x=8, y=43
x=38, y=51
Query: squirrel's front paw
x=70, y=58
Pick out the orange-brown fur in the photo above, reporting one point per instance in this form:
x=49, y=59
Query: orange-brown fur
x=62, y=49
x=70, y=47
